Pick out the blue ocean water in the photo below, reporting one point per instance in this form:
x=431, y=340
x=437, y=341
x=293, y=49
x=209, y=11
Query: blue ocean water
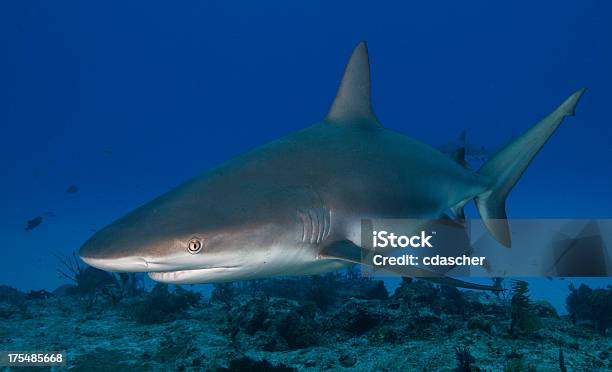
x=126, y=100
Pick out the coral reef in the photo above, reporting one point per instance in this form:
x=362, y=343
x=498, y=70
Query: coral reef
x=324, y=291
x=464, y=359
x=12, y=303
x=161, y=305
x=523, y=319
x=281, y=325
x=273, y=324
x=591, y=306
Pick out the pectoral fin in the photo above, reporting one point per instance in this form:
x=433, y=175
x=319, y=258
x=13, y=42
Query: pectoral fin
x=348, y=251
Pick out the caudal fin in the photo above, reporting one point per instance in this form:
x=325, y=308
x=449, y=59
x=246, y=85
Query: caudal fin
x=506, y=167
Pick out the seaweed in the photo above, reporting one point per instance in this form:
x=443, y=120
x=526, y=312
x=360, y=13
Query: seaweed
x=523, y=321
x=86, y=278
x=91, y=283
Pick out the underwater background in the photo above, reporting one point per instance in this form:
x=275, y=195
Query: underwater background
x=105, y=105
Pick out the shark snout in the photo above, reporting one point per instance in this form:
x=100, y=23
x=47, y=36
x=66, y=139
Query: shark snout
x=104, y=258
x=105, y=254
x=128, y=264
x=121, y=248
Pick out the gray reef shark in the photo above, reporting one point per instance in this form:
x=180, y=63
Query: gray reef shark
x=471, y=151
x=294, y=206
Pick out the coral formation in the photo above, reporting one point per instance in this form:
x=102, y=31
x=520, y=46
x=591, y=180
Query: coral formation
x=591, y=306
x=280, y=325
x=161, y=305
x=522, y=310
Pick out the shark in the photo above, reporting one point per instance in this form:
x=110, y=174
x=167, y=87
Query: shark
x=472, y=151
x=294, y=206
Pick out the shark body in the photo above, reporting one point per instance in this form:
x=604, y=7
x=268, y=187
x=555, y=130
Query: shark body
x=294, y=206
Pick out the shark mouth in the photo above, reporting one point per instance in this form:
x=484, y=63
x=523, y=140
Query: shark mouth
x=208, y=275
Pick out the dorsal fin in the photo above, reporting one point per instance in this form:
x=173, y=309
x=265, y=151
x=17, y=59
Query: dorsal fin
x=352, y=104
x=459, y=156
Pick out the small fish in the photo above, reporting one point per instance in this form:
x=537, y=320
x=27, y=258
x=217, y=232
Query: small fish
x=108, y=152
x=33, y=223
x=72, y=189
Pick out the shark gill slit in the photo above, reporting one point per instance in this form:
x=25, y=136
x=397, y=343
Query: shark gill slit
x=321, y=225
x=326, y=215
x=315, y=226
x=302, y=217
x=328, y=231
x=324, y=224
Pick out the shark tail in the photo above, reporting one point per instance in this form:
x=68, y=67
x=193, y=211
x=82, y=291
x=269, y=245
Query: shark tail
x=505, y=168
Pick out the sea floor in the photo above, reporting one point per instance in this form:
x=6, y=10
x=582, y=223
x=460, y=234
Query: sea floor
x=419, y=328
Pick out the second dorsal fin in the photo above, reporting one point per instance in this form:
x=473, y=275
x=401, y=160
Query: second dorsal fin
x=459, y=156
x=353, y=104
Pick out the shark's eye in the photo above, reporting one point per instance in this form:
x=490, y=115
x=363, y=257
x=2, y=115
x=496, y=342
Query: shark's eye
x=194, y=246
